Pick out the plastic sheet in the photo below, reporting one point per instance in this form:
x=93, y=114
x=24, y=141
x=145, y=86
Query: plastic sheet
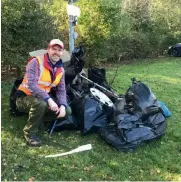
x=143, y=121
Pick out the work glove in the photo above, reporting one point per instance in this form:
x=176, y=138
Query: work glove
x=53, y=106
x=61, y=112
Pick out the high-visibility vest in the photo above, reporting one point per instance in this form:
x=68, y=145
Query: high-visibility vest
x=45, y=82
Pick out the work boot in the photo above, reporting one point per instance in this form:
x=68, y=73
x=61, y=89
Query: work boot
x=33, y=141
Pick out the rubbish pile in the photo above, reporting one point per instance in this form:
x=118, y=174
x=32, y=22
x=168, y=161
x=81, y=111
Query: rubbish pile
x=123, y=121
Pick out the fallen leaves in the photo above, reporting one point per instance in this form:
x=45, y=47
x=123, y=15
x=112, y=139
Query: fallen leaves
x=88, y=168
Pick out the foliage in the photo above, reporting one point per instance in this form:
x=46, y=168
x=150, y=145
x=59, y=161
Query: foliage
x=57, y=10
x=107, y=29
x=155, y=161
x=166, y=21
x=25, y=27
x=124, y=28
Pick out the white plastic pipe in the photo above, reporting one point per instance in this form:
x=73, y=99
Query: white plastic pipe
x=79, y=149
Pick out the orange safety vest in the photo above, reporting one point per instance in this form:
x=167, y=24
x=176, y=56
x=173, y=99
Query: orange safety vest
x=45, y=82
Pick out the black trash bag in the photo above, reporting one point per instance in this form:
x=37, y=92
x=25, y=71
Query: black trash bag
x=12, y=99
x=70, y=123
x=95, y=116
x=127, y=140
x=138, y=135
x=151, y=110
x=77, y=106
x=143, y=133
x=157, y=123
x=133, y=129
x=139, y=96
x=75, y=65
x=91, y=114
x=98, y=75
x=113, y=136
x=128, y=121
x=142, y=122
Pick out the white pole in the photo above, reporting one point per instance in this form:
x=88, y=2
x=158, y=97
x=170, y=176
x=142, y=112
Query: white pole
x=71, y=31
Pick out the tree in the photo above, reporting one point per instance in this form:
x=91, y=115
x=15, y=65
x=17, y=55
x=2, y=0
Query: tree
x=26, y=27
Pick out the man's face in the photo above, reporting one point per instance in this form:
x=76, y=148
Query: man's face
x=55, y=53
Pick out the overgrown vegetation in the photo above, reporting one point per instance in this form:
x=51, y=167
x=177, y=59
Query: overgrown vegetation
x=26, y=27
x=155, y=161
x=108, y=29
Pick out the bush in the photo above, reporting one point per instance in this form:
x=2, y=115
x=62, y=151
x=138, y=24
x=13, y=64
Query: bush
x=26, y=27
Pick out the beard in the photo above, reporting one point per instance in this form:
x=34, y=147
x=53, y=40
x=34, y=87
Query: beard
x=55, y=58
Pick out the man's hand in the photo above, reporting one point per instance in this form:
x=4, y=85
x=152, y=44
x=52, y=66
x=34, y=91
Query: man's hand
x=61, y=111
x=52, y=104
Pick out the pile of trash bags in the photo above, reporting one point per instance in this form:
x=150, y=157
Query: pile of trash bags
x=135, y=117
x=140, y=120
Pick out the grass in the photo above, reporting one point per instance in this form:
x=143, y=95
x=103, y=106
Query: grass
x=159, y=160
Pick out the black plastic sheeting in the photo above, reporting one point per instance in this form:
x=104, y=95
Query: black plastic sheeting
x=95, y=115
x=141, y=118
x=70, y=123
x=89, y=116
x=142, y=121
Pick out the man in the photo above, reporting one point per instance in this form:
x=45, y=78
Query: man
x=42, y=93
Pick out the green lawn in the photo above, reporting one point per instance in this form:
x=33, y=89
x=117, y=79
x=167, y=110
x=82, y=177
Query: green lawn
x=157, y=160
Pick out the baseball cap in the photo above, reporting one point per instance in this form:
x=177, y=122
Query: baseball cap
x=56, y=42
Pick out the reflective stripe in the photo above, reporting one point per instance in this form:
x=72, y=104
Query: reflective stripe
x=53, y=85
x=44, y=83
x=41, y=61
